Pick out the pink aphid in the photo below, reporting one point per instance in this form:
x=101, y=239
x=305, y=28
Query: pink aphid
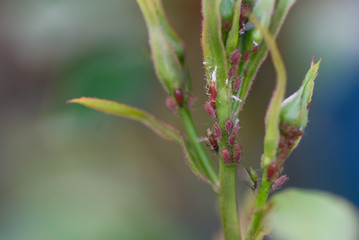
x=237, y=153
x=247, y=55
x=237, y=83
x=231, y=139
x=271, y=170
x=236, y=129
x=213, y=90
x=229, y=125
x=226, y=155
x=210, y=110
x=171, y=104
x=235, y=57
x=279, y=182
x=217, y=131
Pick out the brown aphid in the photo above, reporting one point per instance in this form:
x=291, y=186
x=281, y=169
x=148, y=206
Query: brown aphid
x=237, y=83
x=271, y=170
x=210, y=110
x=212, y=140
x=231, y=139
x=235, y=57
x=179, y=97
x=247, y=55
x=229, y=125
x=217, y=131
x=213, y=90
x=256, y=47
x=226, y=155
x=237, y=153
x=279, y=182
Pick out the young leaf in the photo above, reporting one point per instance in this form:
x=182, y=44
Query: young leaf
x=232, y=40
x=214, y=53
x=312, y=215
x=272, y=118
x=162, y=129
x=281, y=10
x=167, y=64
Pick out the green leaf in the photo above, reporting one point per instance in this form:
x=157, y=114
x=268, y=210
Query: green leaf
x=167, y=64
x=233, y=36
x=162, y=129
x=214, y=54
x=281, y=10
x=272, y=118
x=312, y=215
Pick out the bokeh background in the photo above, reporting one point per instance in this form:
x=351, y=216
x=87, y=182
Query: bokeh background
x=67, y=172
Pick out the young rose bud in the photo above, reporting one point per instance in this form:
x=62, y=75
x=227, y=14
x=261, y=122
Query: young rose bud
x=294, y=108
x=226, y=155
x=210, y=110
x=179, y=97
x=229, y=125
x=217, y=131
x=237, y=153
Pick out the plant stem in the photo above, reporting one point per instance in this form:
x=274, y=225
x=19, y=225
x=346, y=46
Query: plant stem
x=254, y=226
x=227, y=199
x=202, y=156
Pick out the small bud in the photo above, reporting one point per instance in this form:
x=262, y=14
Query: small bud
x=247, y=55
x=231, y=139
x=171, y=104
x=237, y=153
x=295, y=107
x=209, y=109
x=237, y=127
x=237, y=83
x=217, y=131
x=279, y=182
x=229, y=125
x=226, y=155
x=212, y=140
x=179, y=97
x=235, y=57
x=213, y=91
x=271, y=170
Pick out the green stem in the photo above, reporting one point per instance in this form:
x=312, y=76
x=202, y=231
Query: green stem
x=227, y=199
x=255, y=224
x=202, y=156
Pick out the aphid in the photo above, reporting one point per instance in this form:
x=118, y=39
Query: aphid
x=271, y=170
x=246, y=71
x=249, y=176
x=230, y=73
x=171, y=104
x=237, y=127
x=226, y=155
x=229, y=125
x=209, y=109
x=237, y=153
x=235, y=57
x=179, y=97
x=256, y=47
x=217, y=131
x=212, y=140
x=309, y=105
x=247, y=55
x=226, y=26
x=279, y=182
x=213, y=91
x=237, y=83
x=231, y=139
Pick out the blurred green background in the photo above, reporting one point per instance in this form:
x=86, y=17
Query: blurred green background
x=67, y=172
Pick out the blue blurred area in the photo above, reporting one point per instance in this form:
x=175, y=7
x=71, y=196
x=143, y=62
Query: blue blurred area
x=67, y=172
